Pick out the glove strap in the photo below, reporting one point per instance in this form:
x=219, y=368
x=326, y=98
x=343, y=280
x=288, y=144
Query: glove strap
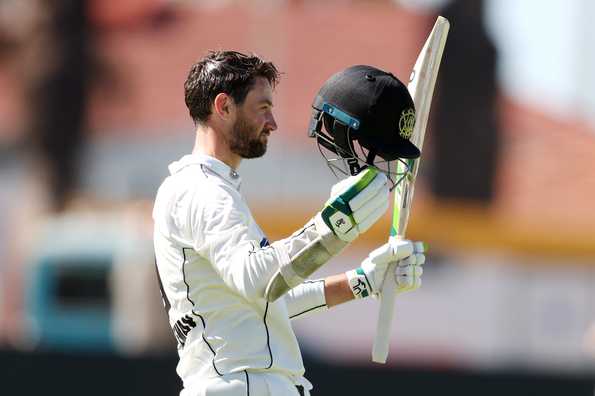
x=360, y=286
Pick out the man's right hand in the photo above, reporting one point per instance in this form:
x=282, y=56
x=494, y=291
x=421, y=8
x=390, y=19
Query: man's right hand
x=356, y=203
x=409, y=257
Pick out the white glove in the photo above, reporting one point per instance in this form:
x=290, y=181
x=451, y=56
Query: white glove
x=356, y=203
x=409, y=257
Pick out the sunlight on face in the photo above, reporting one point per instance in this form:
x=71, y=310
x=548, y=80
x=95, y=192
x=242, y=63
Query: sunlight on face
x=254, y=122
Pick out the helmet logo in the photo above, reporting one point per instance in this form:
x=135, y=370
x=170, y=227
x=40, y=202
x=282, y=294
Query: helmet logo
x=406, y=123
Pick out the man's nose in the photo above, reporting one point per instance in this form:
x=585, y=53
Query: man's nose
x=271, y=123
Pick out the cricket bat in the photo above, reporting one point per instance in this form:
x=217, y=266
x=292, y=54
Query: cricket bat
x=421, y=87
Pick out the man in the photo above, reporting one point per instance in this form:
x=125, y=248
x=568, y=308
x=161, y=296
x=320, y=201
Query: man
x=230, y=294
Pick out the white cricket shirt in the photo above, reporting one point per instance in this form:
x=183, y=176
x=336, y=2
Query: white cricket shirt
x=214, y=263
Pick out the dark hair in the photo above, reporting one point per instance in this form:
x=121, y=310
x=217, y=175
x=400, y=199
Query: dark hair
x=227, y=72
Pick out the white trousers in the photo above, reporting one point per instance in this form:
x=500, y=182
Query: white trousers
x=245, y=383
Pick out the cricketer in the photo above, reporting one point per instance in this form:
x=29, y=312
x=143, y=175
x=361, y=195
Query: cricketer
x=229, y=293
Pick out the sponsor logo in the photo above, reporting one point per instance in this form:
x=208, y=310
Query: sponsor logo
x=264, y=242
x=340, y=222
x=181, y=329
x=360, y=288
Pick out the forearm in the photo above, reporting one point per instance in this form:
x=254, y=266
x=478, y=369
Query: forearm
x=305, y=251
x=306, y=299
x=249, y=270
x=315, y=295
x=337, y=290
x=355, y=204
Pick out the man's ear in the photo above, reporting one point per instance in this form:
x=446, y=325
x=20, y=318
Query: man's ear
x=223, y=106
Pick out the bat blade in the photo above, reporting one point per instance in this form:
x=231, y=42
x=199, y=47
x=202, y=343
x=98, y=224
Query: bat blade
x=421, y=87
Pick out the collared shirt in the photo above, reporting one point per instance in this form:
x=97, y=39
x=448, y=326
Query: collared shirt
x=214, y=263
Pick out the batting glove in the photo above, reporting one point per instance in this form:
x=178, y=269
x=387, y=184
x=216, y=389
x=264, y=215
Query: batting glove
x=409, y=258
x=356, y=203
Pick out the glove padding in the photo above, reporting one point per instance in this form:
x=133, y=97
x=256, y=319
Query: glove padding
x=356, y=203
x=408, y=271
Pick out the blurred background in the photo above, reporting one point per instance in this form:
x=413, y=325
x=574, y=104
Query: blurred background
x=92, y=112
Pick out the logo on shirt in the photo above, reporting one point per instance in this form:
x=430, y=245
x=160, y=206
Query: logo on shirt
x=182, y=327
x=264, y=242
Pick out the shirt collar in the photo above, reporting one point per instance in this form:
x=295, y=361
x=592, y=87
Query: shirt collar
x=220, y=168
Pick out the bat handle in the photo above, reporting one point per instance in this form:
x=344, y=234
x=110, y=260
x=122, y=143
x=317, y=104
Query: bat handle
x=385, y=316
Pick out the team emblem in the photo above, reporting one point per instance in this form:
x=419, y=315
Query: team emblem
x=406, y=123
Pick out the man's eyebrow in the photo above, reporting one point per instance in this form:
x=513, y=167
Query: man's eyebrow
x=267, y=101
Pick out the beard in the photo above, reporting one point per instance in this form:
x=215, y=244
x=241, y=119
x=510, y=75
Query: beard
x=246, y=140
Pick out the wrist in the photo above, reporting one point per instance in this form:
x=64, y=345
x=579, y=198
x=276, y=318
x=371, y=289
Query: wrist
x=359, y=283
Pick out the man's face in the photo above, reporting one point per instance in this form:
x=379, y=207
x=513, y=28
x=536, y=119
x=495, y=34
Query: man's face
x=254, y=122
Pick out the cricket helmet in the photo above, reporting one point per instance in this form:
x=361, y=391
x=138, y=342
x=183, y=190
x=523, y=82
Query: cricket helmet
x=360, y=114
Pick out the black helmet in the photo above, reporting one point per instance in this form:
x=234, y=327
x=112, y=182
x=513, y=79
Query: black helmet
x=367, y=106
